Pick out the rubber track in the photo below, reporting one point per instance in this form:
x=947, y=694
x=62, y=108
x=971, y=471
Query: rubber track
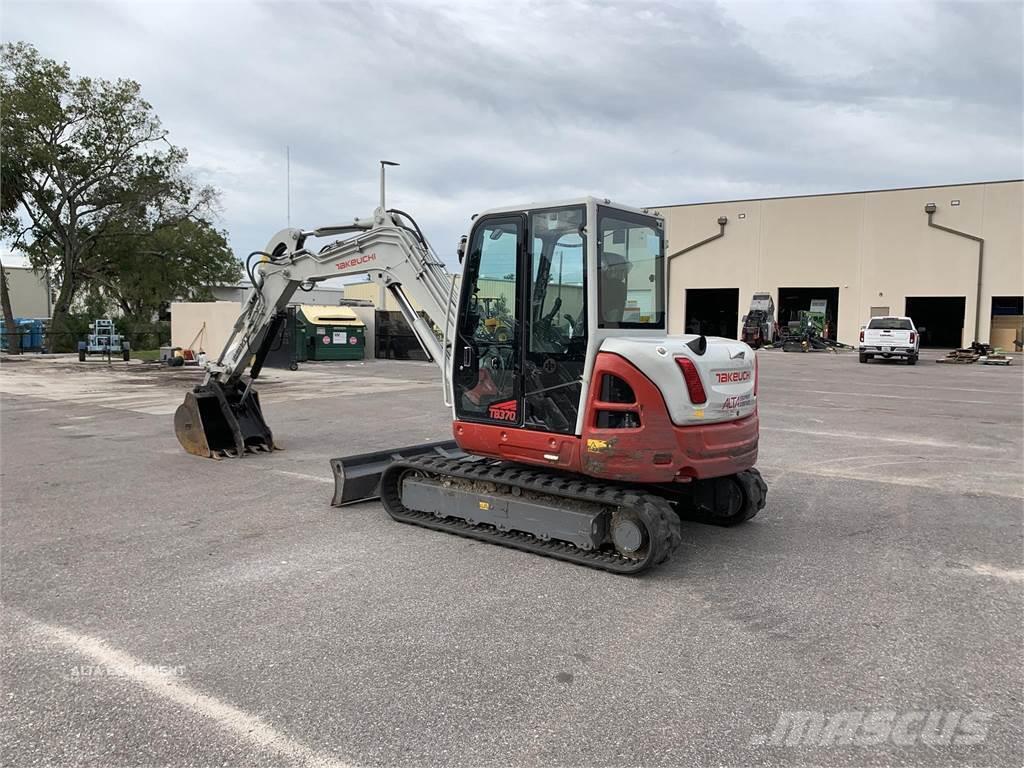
x=665, y=533
x=755, y=492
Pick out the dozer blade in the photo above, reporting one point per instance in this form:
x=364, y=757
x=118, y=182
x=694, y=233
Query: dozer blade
x=357, y=478
x=217, y=421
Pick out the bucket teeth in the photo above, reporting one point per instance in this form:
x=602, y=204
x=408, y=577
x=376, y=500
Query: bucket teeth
x=216, y=420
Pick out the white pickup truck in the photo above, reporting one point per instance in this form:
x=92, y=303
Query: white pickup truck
x=890, y=337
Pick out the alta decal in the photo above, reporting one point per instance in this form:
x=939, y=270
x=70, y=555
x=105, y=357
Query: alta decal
x=503, y=411
x=731, y=377
x=737, y=401
x=355, y=262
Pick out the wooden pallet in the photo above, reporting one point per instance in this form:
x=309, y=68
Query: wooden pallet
x=960, y=357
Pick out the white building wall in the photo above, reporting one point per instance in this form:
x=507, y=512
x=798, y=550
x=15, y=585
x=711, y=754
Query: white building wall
x=29, y=292
x=875, y=246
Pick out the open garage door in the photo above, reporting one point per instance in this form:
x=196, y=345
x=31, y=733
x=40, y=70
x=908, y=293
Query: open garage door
x=939, y=320
x=1007, y=322
x=713, y=311
x=792, y=300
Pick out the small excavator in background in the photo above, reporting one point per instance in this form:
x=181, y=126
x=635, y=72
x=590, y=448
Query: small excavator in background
x=582, y=434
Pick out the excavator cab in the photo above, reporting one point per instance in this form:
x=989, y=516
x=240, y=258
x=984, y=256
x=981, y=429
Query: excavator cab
x=569, y=275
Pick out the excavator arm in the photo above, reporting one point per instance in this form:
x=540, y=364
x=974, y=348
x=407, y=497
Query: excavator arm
x=222, y=416
x=389, y=253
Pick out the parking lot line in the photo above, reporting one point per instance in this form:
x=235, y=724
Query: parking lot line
x=925, y=441
x=303, y=476
x=888, y=384
x=984, y=569
x=122, y=665
x=778, y=471
x=890, y=397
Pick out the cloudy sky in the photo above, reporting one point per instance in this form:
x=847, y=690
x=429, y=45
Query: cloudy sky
x=487, y=104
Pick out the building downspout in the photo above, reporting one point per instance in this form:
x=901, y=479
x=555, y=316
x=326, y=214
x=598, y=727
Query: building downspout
x=722, y=221
x=930, y=210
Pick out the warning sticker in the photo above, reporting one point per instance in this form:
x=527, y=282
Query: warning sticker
x=339, y=337
x=326, y=339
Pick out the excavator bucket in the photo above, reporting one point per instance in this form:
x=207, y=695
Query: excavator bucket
x=215, y=421
x=357, y=478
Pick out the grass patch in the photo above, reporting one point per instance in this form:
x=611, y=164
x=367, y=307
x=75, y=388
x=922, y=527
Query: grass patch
x=146, y=355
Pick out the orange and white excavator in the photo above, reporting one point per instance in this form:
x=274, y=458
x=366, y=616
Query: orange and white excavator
x=582, y=431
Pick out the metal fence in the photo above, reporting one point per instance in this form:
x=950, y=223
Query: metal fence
x=67, y=341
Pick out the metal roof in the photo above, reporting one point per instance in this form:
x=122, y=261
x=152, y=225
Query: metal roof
x=836, y=194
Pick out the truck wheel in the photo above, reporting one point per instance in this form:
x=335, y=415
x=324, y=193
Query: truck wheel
x=293, y=367
x=126, y=355
x=912, y=360
x=863, y=358
x=81, y=355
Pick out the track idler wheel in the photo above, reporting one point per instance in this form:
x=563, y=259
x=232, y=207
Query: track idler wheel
x=217, y=421
x=731, y=500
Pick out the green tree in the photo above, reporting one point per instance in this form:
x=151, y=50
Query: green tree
x=9, y=177
x=141, y=271
x=99, y=178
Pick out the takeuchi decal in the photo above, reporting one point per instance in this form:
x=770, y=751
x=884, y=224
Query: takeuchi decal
x=503, y=411
x=728, y=377
x=356, y=261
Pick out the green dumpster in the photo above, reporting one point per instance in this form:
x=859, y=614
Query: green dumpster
x=329, y=333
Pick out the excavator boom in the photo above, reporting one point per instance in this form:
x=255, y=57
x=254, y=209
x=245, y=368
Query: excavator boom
x=222, y=416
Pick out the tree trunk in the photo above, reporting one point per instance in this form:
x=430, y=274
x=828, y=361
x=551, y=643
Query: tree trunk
x=59, y=336
x=13, y=337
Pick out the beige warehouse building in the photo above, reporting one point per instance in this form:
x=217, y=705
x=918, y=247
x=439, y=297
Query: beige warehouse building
x=864, y=252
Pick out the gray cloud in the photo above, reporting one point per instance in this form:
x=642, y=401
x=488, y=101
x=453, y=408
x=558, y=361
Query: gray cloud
x=493, y=104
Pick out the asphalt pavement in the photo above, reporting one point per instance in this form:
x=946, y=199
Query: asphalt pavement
x=161, y=609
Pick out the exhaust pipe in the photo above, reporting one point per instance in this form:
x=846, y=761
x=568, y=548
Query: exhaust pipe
x=216, y=421
x=699, y=345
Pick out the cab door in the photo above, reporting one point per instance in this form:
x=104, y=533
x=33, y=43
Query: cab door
x=556, y=325
x=487, y=376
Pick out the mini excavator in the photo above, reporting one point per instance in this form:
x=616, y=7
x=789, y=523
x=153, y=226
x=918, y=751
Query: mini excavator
x=582, y=433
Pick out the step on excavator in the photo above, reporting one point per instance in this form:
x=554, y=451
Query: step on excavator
x=583, y=432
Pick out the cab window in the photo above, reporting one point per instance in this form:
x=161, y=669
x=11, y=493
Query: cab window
x=631, y=267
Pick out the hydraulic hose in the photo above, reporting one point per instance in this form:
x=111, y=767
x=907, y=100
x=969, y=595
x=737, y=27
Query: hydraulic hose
x=419, y=232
